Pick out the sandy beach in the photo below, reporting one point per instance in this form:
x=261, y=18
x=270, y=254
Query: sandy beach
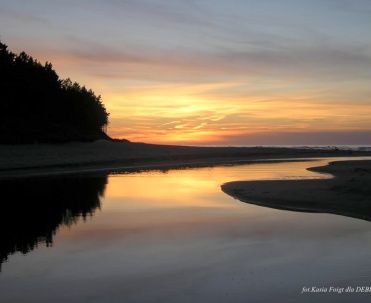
x=346, y=191
x=346, y=194
x=105, y=155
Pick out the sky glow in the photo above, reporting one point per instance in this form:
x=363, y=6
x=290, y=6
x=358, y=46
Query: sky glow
x=237, y=72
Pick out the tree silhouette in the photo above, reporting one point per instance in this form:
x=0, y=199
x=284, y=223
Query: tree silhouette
x=37, y=106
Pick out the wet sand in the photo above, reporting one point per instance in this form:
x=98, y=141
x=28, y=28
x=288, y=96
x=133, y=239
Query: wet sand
x=110, y=156
x=346, y=191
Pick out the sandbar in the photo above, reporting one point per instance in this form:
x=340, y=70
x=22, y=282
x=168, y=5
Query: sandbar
x=345, y=190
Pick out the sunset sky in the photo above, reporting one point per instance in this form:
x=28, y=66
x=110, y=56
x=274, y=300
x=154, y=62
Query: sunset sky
x=211, y=72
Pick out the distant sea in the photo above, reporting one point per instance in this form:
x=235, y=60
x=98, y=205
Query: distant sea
x=323, y=147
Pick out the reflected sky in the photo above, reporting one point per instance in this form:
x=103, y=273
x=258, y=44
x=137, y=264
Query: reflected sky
x=176, y=237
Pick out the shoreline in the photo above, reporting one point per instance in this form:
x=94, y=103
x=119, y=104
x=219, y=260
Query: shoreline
x=346, y=193
x=108, y=156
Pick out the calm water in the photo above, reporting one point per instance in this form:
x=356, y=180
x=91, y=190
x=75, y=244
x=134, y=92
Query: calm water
x=173, y=236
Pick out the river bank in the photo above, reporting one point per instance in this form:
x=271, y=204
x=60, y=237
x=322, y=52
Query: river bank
x=22, y=160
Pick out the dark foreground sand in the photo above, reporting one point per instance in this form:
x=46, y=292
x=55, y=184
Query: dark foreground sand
x=111, y=156
x=348, y=193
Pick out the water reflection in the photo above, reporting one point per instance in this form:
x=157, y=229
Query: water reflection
x=35, y=208
x=176, y=237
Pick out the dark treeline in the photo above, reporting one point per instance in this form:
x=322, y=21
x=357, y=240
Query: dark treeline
x=37, y=106
x=61, y=201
